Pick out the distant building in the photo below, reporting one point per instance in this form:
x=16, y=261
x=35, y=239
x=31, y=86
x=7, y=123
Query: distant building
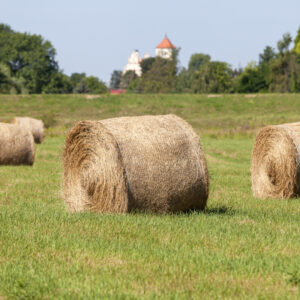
x=134, y=61
x=164, y=49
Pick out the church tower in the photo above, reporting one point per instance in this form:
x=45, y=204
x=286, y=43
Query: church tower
x=134, y=61
x=165, y=48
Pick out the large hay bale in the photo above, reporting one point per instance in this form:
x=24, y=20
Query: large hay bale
x=16, y=145
x=36, y=127
x=275, y=162
x=147, y=163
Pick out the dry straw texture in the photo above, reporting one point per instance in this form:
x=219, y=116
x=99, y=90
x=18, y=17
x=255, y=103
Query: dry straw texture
x=147, y=163
x=275, y=162
x=16, y=145
x=36, y=127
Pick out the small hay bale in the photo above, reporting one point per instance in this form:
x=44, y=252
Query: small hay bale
x=146, y=163
x=251, y=96
x=36, y=127
x=275, y=162
x=16, y=145
x=214, y=96
x=91, y=97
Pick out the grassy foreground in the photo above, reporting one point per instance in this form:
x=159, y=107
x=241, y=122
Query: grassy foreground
x=240, y=247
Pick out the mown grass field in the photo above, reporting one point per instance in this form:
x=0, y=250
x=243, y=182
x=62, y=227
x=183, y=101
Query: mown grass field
x=240, y=247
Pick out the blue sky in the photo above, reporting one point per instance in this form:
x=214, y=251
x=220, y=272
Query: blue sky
x=96, y=37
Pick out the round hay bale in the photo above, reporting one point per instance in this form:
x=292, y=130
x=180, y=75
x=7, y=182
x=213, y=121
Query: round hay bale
x=146, y=163
x=275, y=162
x=17, y=146
x=36, y=127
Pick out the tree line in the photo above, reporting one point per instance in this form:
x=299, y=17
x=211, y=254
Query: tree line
x=277, y=70
x=28, y=65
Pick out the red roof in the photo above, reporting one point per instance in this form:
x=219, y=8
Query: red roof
x=165, y=43
x=117, y=91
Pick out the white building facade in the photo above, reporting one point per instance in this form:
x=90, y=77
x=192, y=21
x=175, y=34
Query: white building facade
x=164, y=50
x=134, y=63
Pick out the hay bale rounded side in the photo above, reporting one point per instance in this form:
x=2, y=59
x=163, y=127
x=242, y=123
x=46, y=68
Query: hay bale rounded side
x=17, y=145
x=146, y=163
x=275, y=162
x=36, y=127
x=94, y=175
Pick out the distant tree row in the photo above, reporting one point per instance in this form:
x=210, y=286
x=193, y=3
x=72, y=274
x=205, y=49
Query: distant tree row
x=28, y=65
x=276, y=71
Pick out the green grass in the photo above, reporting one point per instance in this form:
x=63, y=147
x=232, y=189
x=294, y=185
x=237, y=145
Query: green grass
x=240, y=247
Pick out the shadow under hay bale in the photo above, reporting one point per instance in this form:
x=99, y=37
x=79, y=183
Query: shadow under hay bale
x=275, y=162
x=16, y=145
x=36, y=127
x=146, y=163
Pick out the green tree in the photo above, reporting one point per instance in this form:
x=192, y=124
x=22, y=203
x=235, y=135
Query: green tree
x=146, y=64
x=198, y=60
x=160, y=78
x=94, y=85
x=76, y=79
x=135, y=85
x=268, y=54
x=127, y=79
x=251, y=80
x=212, y=77
x=284, y=44
x=59, y=84
x=90, y=85
x=221, y=81
x=296, y=48
x=285, y=72
x=5, y=84
x=81, y=87
x=115, y=79
x=10, y=84
x=183, y=81
x=259, y=77
x=29, y=57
